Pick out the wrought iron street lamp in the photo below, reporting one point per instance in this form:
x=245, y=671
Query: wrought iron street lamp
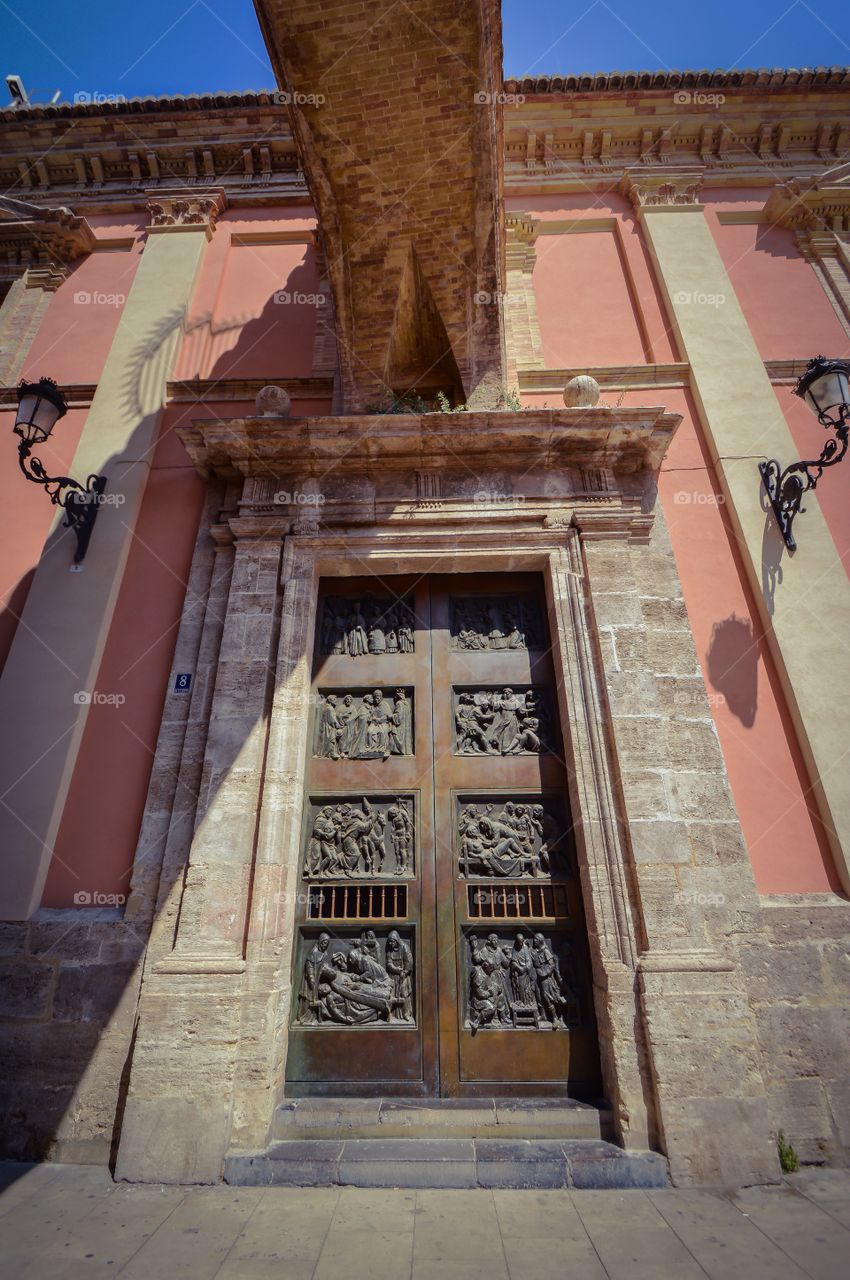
x=40, y=406
x=825, y=388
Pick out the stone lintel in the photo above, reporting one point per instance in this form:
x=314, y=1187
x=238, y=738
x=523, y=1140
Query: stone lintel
x=625, y=440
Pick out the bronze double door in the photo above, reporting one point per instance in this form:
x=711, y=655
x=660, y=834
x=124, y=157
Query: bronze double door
x=440, y=945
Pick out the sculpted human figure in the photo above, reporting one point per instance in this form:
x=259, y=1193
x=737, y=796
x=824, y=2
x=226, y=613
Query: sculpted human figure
x=470, y=721
x=308, y=992
x=358, y=641
x=495, y=955
x=392, y=631
x=329, y=728
x=377, y=634
x=401, y=732
x=330, y=628
x=504, y=730
x=347, y=717
x=405, y=631
x=369, y=944
x=400, y=969
x=523, y=978
x=322, y=851
x=356, y=826
x=380, y=722
x=550, y=997
x=401, y=834
x=496, y=625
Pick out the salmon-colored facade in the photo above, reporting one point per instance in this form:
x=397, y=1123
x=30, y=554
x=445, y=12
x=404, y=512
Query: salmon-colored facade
x=589, y=289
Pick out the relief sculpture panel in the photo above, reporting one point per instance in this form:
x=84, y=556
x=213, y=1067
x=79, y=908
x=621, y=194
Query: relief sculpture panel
x=357, y=980
x=364, y=724
x=521, y=980
x=501, y=722
x=373, y=625
x=523, y=837
x=497, y=622
x=359, y=837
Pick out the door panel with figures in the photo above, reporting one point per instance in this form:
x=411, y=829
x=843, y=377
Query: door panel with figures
x=440, y=941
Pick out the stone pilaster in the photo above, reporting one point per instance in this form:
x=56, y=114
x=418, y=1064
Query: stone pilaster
x=694, y=893
x=523, y=343
x=42, y=677
x=193, y=1002
x=743, y=425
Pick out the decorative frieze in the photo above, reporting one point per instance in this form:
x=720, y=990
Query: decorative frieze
x=496, y=623
x=351, y=837
x=501, y=722
x=364, y=724
x=522, y=837
x=520, y=981
x=357, y=980
x=374, y=625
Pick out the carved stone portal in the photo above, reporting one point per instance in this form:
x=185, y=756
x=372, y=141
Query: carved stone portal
x=364, y=724
x=501, y=722
x=359, y=838
x=375, y=625
x=497, y=622
x=356, y=981
x=522, y=838
x=522, y=980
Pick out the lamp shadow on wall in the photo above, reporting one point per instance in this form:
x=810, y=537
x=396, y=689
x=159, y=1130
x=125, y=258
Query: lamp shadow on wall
x=236, y=347
x=772, y=550
x=732, y=666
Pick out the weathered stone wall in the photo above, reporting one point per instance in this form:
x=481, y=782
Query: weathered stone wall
x=69, y=981
x=798, y=978
x=776, y=971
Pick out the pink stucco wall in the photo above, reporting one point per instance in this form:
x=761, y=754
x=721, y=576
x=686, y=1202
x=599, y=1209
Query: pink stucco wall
x=255, y=309
x=71, y=346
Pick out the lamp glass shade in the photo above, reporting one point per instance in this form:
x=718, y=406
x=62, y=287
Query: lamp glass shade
x=827, y=391
x=40, y=406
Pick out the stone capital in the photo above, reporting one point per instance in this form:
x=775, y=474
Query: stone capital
x=676, y=189
x=185, y=209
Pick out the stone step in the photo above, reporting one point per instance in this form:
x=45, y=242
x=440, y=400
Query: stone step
x=343, y=1118
x=447, y=1162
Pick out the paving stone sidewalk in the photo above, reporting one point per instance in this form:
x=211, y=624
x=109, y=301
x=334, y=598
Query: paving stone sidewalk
x=62, y=1221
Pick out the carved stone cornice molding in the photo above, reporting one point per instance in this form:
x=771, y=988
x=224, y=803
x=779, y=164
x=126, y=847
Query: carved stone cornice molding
x=625, y=440
x=667, y=189
x=521, y=237
x=818, y=210
x=40, y=243
x=185, y=210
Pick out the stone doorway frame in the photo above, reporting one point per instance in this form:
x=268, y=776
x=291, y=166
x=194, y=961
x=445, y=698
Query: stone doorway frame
x=680, y=1060
x=601, y=836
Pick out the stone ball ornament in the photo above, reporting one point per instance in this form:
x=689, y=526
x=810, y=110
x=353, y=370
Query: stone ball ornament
x=581, y=392
x=273, y=402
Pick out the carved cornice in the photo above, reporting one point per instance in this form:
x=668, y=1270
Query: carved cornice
x=625, y=440
x=814, y=209
x=40, y=242
x=521, y=236
x=185, y=210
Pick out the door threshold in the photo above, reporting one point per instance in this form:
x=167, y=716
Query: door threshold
x=300, y=1119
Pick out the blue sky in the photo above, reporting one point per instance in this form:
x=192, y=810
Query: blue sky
x=183, y=46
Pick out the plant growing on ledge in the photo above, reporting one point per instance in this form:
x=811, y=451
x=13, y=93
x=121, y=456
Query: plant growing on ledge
x=412, y=402
x=788, y=1158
